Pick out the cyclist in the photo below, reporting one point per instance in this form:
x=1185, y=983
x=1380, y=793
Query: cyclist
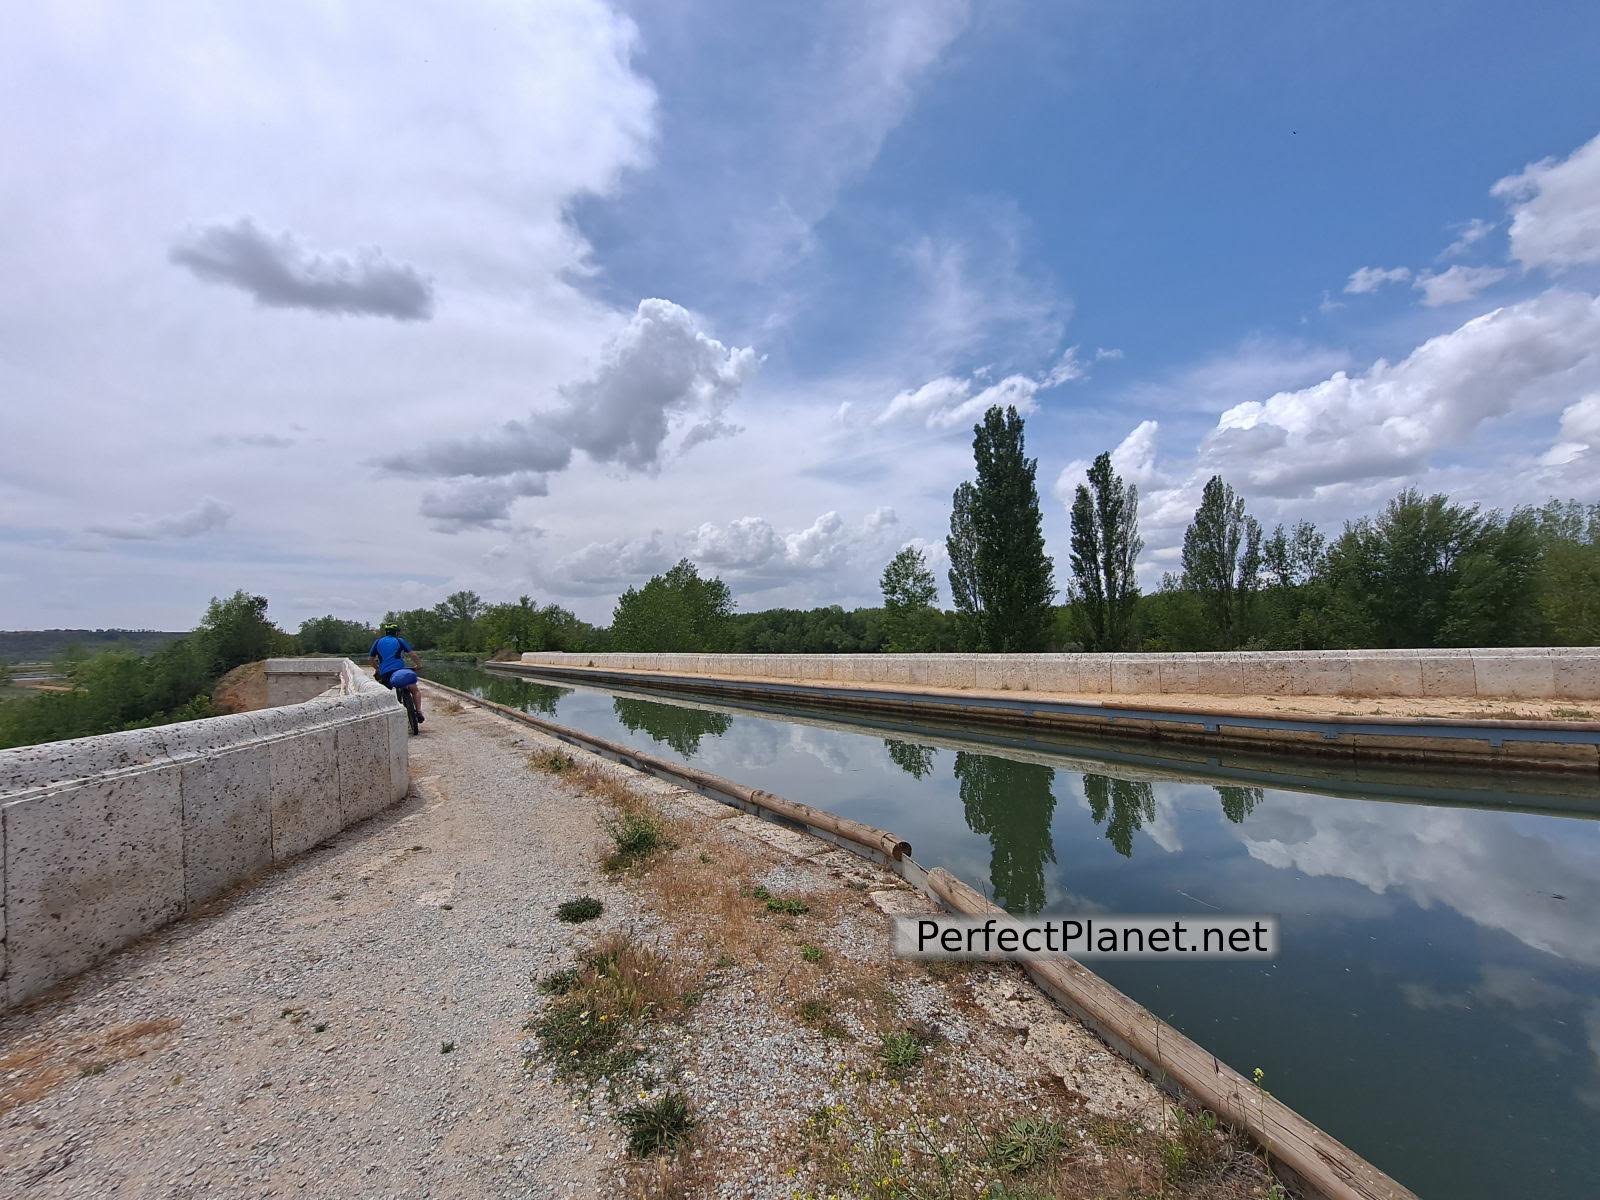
x=388, y=656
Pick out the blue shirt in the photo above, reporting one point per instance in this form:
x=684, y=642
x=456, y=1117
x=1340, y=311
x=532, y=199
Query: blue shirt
x=387, y=650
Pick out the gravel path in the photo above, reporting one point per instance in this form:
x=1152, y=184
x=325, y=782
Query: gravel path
x=290, y=1042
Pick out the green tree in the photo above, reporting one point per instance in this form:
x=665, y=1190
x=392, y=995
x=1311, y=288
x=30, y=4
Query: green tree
x=1222, y=560
x=236, y=631
x=677, y=611
x=1569, y=572
x=458, y=613
x=909, y=593
x=1105, y=546
x=330, y=635
x=962, y=546
x=1015, y=581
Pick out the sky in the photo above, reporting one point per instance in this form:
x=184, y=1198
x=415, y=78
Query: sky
x=354, y=306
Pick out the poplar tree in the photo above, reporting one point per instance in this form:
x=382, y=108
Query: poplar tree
x=1105, y=546
x=1015, y=582
x=962, y=546
x=1222, y=560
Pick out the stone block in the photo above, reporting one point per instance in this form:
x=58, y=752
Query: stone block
x=227, y=819
x=363, y=751
x=89, y=867
x=1448, y=674
x=1577, y=677
x=1135, y=674
x=1529, y=678
x=303, y=777
x=988, y=672
x=399, y=756
x=1385, y=675
x=30, y=767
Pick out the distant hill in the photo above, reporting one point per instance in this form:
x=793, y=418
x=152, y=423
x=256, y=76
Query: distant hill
x=34, y=645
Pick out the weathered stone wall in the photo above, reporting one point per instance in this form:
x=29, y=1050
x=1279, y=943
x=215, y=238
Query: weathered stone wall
x=103, y=839
x=1523, y=673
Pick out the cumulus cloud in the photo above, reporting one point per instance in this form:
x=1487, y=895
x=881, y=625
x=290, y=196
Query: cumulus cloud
x=479, y=503
x=1134, y=459
x=948, y=402
x=662, y=366
x=748, y=550
x=1386, y=421
x=661, y=371
x=1456, y=284
x=1555, y=210
x=280, y=272
x=1580, y=433
x=209, y=515
x=1370, y=279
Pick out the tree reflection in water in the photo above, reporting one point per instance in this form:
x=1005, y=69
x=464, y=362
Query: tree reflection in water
x=680, y=728
x=916, y=761
x=1011, y=804
x=513, y=693
x=1129, y=803
x=1238, y=802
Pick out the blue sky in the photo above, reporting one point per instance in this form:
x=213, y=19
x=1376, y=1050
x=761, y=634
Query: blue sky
x=537, y=298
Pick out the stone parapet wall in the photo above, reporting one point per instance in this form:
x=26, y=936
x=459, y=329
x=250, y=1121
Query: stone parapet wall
x=104, y=839
x=1522, y=673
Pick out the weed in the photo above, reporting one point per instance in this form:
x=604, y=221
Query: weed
x=320, y=1027
x=1025, y=1143
x=725, y=962
x=446, y=1047
x=581, y=1042
x=663, y=1124
x=552, y=761
x=575, y=912
x=1571, y=714
x=812, y=954
x=637, y=835
x=559, y=983
x=706, y=858
x=899, y=1051
x=94, y=1068
x=761, y=893
x=792, y=908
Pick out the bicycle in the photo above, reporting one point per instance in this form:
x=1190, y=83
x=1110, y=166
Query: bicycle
x=410, y=705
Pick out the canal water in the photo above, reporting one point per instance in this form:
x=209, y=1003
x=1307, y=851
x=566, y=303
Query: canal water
x=1436, y=1000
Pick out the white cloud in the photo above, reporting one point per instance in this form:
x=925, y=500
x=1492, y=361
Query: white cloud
x=1387, y=421
x=1134, y=459
x=1468, y=234
x=659, y=372
x=746, y=542
x=479, y=503
x=1370, y=279
x=1555, y=210
x=947, y=402
x=207, y=516
x=1579, y=434
x=1456, y=284
x=281, y=273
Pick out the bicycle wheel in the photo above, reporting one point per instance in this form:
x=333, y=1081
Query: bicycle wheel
x=411, y=710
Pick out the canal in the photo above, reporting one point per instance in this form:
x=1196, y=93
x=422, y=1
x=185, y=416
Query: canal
x=1436, y=1001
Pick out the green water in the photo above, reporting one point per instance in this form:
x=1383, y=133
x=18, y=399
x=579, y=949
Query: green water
x=1436, y=1001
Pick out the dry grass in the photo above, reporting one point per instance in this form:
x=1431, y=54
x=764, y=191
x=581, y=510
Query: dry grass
x=33, y=1069
x=892, y=1139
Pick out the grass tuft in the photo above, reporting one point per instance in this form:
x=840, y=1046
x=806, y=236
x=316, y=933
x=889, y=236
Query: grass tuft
x=575, y=912
x=658, y=1126
x=1024, y=1144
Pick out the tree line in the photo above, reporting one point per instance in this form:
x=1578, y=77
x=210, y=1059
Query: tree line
x=1424, y=572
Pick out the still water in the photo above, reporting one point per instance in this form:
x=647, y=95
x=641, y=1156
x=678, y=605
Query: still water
x=1436, y=1001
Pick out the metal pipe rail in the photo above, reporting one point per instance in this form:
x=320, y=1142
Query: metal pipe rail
x=1315, y=1159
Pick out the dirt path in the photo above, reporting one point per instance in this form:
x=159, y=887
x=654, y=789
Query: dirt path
x=378, y=1020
